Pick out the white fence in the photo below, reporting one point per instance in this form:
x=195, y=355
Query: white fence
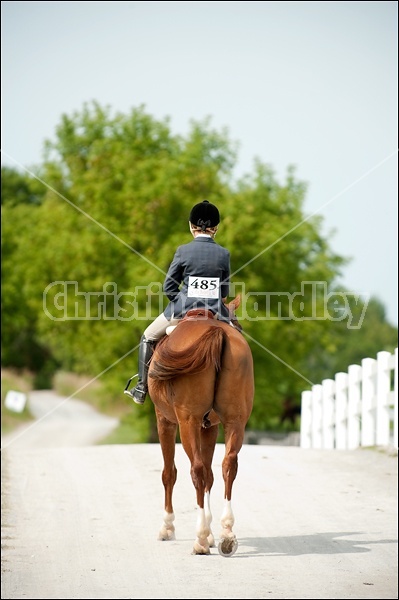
x=357, y=408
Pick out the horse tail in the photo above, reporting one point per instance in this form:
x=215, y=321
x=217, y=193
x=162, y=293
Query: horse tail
x=203, y=353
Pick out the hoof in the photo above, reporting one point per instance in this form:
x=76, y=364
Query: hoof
x=166, y=536
x=198, y=549
x=227, y=547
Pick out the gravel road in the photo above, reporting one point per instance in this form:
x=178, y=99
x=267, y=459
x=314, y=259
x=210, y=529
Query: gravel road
x=81, y=521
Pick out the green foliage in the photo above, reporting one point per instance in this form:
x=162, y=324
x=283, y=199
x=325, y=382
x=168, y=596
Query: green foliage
x=17, y=188
x=21, y=344
x=93, y=231
x=132, y=430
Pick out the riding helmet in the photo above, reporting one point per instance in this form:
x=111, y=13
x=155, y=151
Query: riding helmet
x=204, y=215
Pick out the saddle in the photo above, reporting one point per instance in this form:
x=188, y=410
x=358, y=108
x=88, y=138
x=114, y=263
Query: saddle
x=192, y=315
x=203, y=313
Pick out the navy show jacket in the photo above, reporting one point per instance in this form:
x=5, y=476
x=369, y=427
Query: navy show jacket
x=202, y=257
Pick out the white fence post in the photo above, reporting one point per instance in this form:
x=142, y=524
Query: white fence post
x=328, y=413
x=306, y=419
x=354, y=407
x=383, y=433
x=317, y=433
x=358, y=408
x=341, y=411
x=369, y=370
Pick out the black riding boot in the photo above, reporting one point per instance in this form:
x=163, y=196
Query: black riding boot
x=139, y=392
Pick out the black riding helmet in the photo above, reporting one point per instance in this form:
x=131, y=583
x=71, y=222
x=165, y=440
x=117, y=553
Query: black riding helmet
x=204, y=215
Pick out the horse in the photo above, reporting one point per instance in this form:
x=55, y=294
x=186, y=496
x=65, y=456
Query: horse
x=201, y=375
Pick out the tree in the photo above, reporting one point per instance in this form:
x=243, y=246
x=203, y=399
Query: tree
x=93, y=246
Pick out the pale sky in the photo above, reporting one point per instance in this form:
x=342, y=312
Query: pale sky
x=310, y=84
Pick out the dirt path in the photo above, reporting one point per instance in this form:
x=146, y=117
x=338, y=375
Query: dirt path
x=59, y=422
x=82, y=522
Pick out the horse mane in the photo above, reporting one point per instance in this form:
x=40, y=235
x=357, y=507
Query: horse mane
x=203, y=353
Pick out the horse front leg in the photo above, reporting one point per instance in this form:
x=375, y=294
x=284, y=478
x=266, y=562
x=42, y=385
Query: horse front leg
x=167, y=439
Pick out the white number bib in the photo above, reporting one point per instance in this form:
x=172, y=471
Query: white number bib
x=203, y=287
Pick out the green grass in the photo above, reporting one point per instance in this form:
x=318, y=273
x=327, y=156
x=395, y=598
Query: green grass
x=131, y=430
x=100, y=395
x=19, y=382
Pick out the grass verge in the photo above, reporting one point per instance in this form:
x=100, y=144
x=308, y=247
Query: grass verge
x=19, y=381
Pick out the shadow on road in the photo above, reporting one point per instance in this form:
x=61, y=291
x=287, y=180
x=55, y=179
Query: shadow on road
x=320, y=543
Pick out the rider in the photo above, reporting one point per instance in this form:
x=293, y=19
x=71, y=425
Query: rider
x=198, y=277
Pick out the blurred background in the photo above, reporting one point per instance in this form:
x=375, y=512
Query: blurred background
x=119, y=116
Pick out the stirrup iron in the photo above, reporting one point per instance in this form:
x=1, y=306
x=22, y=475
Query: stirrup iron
x=125, y=391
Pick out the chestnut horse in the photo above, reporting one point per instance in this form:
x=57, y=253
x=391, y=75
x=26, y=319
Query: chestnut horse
x=202, y=375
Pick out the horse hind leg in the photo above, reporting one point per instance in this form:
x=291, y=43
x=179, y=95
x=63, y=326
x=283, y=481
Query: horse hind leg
x=190, y=434
x=209, y=436
x=228, y=543
x=167, y=530
x=201, y=543
x=204, y=534
x=209, y=518
x=233, y=440
x=167, y=438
